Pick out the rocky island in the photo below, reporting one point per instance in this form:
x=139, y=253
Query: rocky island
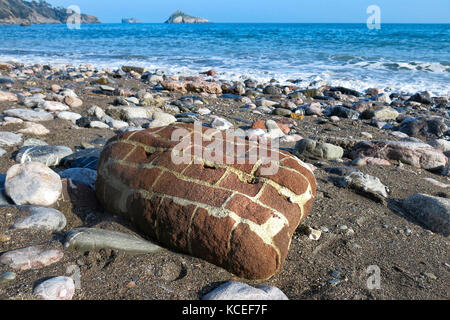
x=181, y=17
x=130, y=20
x=26, y=13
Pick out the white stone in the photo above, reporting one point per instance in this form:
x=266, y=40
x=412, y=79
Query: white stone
x=98, y=125
x=54, y=106
x=58, y=288
x=8, y=97
x=35, y=129
x=10, y=139
x=67, y=115
x=33, y=183
x=221, y=124
x=30, y=258
x=240, y=291
x=29, y=115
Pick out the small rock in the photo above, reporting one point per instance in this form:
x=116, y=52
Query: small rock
x=433, y=212
x=29, y=115
x=221, y=124
x=58, y=288
x=33, y=183
x=240, y=291
x=42, y=218
x=10, y=139
x=84, y=239
x=35, y=129
x=30, y=258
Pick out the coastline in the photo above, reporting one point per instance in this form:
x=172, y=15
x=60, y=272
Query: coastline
x=356, y=231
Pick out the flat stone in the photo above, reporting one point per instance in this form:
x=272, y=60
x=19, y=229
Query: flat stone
x=417, y=154
x=85, y=239
x=32, y=142
x=317, y=149
x=221, y=124
x=366, y=184
x=10, y=139
x=30, y=258
x=35, y=129
x=58, y=288
x=98, y=125
x=48, y=155
x=67, y=115
x=433, y=212
x=29, y=115
x=33, y=183
x=41, y=218
x=54, y=106
x=8, y=97
x=81, y=175
x=240, y=291
x=87, y=158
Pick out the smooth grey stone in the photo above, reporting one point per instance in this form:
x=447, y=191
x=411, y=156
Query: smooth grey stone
x=29, y=115
x=2, y=152
x=32, y=142
x=10, y=139
x=85, y=239
x=433, y=212
x=240, y=291
x=41, y=218
x=48, y=155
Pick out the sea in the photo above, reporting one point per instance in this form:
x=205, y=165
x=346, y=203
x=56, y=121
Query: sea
x=398, y=57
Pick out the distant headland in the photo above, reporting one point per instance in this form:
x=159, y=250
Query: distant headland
x=181, y=17
x=26, y=13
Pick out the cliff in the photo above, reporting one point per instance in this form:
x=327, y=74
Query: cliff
x=181, y=17
x=24, y=12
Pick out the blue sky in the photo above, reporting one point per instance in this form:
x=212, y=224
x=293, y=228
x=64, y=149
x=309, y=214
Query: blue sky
x=323, y=11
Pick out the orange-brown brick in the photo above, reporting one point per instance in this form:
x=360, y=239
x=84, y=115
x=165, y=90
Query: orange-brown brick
x=216, y=211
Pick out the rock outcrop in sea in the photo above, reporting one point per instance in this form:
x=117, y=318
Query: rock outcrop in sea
x=181, y=17
x=26, y=13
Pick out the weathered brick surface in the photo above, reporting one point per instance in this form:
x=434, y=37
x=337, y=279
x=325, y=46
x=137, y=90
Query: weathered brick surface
x=232, y=215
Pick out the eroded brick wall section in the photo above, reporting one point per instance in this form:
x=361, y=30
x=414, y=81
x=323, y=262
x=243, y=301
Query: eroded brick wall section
x=232, y=215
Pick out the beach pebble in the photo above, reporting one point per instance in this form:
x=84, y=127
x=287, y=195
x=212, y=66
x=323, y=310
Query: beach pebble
x=98, y=125
x=34, y=129
x=67, y=115
x=58, y=288
x=81, y=175
x=53, y=106
x=240, y=291
x=221, y=124
x=29, y=115
x=8, y=97
x=42, y=218
x=433, y=212
x=10, y=139
x=162, y=119
x=30, y=258
x=33, y=183
x=48, y=155
x=73, y=102
x=85, y=239
x=11, y=120
x=33, y=142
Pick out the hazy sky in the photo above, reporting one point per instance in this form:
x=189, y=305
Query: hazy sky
x=354, y=11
